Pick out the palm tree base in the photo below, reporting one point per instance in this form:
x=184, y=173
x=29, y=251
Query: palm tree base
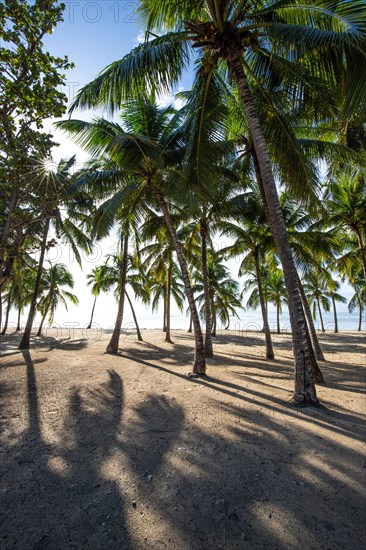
x=300, y=402
x=111, y=351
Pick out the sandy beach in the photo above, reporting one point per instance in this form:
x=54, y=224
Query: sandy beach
x=127, y=452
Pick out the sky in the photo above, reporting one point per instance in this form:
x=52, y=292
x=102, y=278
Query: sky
x=93, y=35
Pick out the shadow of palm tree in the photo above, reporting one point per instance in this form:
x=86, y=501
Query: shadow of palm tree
x=69, y=503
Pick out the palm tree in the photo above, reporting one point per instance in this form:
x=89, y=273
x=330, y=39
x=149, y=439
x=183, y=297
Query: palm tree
x=223, y=290
x=252, y=241
x=18, y=291
x=164, y=279
x=346, y=206
x=57, y=184
x=96, y=279
x=251, y=39
x=54, y=279
x=275, y=291
x=317, y=294
x=163, y=274
x=135, y=277
x=333, y=287
x=358, y=299
x=147, y=147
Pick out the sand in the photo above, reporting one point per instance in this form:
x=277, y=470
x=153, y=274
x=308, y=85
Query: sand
x=126, y=452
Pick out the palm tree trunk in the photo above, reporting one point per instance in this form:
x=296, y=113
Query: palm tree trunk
x=278, y=320
x=314, y=337
x=214, y=319
x=164, y=313
x=320, y=315
x=317, y=374
x=305, y=392
x=92, y=314
x=190, y=323
x=114, y=341
x=18, y=321
x=199, y=365
x=8, y=306
x=359, y=315
x=139, y=337
x=362, y=250
x=228, y=324
x=267, y=332
x=39, y=333
x=335, y=314
x=168, y=296
x=206, y=290
x=25, y=341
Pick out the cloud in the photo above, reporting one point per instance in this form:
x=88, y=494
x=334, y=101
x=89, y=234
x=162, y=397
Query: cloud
x=171, y=99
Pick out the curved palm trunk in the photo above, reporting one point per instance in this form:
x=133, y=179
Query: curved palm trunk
x=278, y=320
x=168, y=297
x=199, y=365
x=310, y=321
x=317, y=374
x=359, y=315
x=139, y=337
x=335, y=314
x=305, y=392
x=362, y=250
x=25, y=341
x=214, y=319
x=92, y=313
x=228, y=325
x=190, y=323
x=18, y=321
x=206, y=290
x=164, y=313
x=114, y=341
x=8, y=306
x=267, y=332
x=320, y=315
x=39, y=333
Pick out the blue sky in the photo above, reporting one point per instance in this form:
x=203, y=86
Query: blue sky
x=93, y=35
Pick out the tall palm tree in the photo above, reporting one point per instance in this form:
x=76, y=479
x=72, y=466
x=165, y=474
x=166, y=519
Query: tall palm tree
x=252, y=40
x=54, y=279
x=223, y=290
x=252, y=240
x=358, y=300
x=317, y=294
x=333, y=287
x=66, y=230
x=148, y=147
x=346, y=206
x=275, y=291
x=165, y=280
x=97, y=280
x=135, y=277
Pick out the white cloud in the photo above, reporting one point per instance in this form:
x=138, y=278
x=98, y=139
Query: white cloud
x=171, y=99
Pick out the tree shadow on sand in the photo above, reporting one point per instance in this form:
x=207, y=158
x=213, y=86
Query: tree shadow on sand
x=231, y=473
x=62, y=499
